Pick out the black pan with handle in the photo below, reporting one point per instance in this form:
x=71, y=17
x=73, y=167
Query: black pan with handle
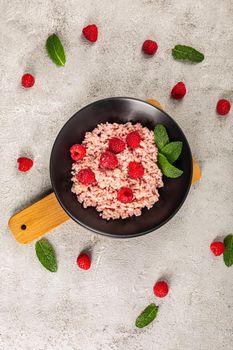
x=119, y=110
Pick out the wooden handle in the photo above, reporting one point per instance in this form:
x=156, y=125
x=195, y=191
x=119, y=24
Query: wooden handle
x=38, y=219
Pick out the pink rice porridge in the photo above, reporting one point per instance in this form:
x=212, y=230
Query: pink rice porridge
x=103, y=193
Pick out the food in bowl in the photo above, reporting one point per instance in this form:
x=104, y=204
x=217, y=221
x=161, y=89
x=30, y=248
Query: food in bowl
x=115, y=170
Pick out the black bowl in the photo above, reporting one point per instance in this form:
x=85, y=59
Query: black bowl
x=119, y=110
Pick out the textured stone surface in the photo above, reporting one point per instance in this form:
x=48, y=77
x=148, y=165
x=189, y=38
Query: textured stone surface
x=96, y=310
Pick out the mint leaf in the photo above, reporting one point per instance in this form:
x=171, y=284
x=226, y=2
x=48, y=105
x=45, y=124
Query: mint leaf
x=46, y=255
x=55, y=50
x=147, y=316
x=167, y=169
x=183, y=52
x=169, y=152
x=172, y=151
x=161, y=136
x=228, y=251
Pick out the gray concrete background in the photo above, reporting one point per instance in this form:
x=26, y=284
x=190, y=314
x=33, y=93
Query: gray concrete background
x=95, y=310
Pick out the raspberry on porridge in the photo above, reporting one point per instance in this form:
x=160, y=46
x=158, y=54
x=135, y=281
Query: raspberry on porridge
x=133, y=168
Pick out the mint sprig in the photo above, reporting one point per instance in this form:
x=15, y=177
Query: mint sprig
x=160, y=136
x=228, y=251
x=168, y=169
x=183, y=52
x=147, y=316
x=172, y=151
x=55, y=50
x=46, y=255
x=169, y=152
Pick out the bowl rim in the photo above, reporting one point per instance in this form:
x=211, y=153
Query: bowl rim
x=107, y=234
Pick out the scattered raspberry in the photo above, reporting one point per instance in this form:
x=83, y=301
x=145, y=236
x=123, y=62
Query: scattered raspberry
x=25, y=164
x=125, y=195
x=108, y=160
x=217, y=248
x=149, y=47
x=135, y=170
x=77, y=152
x=178, y=91
x=91, y=33
x=116, y=145
x=223, y=107
x=133, y=139
x=86, y=176
x=160, y=289
x=84, y=261
x=27, y=80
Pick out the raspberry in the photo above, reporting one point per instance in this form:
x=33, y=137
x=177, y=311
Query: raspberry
x=223, y=107
x=86, y=176
x=178, y=91
x=84, y=261
x=217, y=248
x=91, y=33
x=116, y=145
x=160, y=289
x=25, y=164
x=27, y=80
x=133, y=139
x=108, y=160
x=135, y=170
x=125, y=195
x=77, y=152
x=149, y=47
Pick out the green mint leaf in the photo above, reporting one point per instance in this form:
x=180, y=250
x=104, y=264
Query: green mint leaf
x=161, y=136
x=46, y=255
x=147, y=316
x=167, y=169
x=55, y=50
x=182, y=52
x=228, y=251
x=172, y=151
